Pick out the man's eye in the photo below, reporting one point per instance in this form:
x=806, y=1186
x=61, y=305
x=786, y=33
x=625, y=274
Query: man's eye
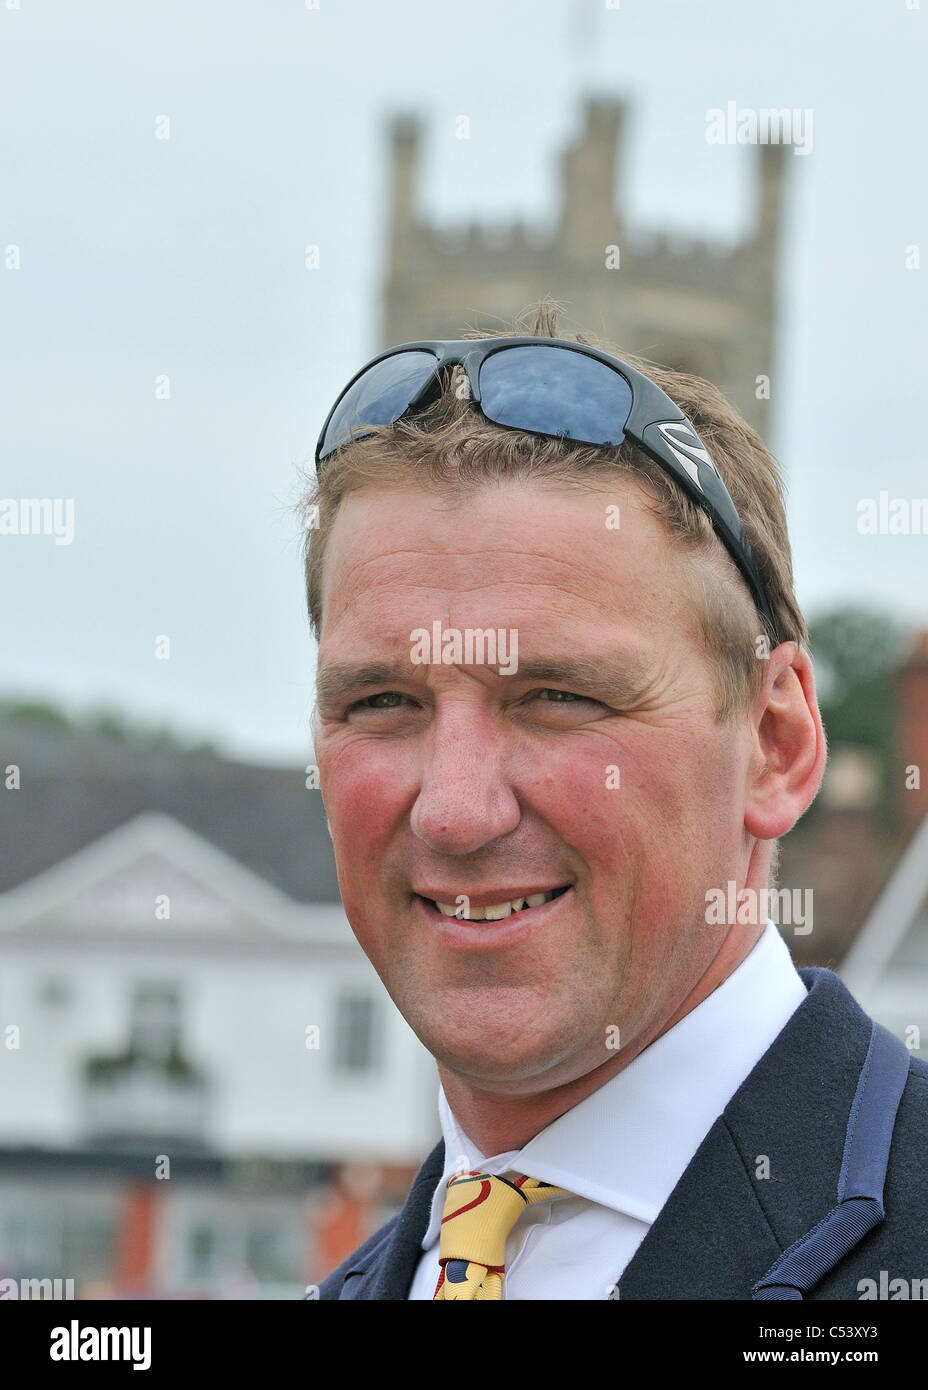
x=368, y=702
x=567, y=697
x=394, y=699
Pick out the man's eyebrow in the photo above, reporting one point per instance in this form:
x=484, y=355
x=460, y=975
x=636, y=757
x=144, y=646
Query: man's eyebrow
x=335, y=682
x=622, y=677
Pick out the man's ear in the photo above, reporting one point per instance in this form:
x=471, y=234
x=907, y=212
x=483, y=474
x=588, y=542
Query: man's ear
x=788, y=754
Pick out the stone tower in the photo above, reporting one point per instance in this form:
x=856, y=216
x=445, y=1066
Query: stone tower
x=684, y=302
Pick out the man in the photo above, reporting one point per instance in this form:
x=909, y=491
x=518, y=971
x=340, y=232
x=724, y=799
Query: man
x=640, y=1096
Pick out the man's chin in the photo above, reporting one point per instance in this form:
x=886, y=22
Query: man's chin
x=493, y=1057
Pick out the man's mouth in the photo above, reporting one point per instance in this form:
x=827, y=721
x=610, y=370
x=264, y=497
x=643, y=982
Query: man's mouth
x=460, y=905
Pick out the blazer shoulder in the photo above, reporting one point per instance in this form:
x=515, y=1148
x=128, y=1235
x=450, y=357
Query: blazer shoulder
x=911, y=1125
x=389, y=1256
x=918, y=1071
x=331, y=1286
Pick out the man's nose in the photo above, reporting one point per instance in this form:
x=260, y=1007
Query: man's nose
x=465, y=800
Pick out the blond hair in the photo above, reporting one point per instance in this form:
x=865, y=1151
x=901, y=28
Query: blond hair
x=450, y=448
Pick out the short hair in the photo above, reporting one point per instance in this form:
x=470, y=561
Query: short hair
x=450, y=448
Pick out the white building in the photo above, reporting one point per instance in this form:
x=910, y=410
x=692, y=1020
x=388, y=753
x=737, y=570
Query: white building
x=189, y=1054
x=886, y=969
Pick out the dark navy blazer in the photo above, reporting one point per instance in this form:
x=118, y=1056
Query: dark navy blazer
x=724, y=1228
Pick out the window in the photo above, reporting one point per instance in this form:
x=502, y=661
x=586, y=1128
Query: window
x=202, y=1251
x=356, y=1044
x=273, y=1252
x=53, y=992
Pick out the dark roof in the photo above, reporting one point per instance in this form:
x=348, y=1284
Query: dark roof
x=78, y=785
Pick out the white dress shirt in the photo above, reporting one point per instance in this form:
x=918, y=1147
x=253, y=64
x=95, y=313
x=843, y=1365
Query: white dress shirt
x=623, y=1148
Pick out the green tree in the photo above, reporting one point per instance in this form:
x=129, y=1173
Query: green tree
x=856, y=654
x=852, y=645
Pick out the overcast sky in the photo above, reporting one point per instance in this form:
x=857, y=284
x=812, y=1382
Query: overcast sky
x=185, y=256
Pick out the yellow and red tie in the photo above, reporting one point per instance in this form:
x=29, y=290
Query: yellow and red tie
x=480, y=1211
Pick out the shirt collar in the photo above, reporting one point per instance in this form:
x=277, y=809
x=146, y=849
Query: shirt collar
x=627, y=1144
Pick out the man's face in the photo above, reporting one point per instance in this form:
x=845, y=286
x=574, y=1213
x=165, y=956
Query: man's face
x=612, y=781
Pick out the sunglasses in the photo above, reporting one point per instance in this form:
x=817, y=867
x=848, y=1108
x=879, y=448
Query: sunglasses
x=554, y=387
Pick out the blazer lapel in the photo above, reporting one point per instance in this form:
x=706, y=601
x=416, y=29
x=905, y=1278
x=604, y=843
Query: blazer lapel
x=768, y=1169
x=710, y=1239
x=766, y=1172
x=389, y=1268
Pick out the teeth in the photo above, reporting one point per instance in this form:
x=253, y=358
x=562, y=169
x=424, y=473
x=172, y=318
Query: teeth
x=496, y=912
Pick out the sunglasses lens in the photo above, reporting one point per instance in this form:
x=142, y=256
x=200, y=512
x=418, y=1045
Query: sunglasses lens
x=553, y=390
x=378, y=397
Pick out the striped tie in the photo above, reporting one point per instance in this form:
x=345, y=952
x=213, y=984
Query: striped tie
x=480, y=1211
